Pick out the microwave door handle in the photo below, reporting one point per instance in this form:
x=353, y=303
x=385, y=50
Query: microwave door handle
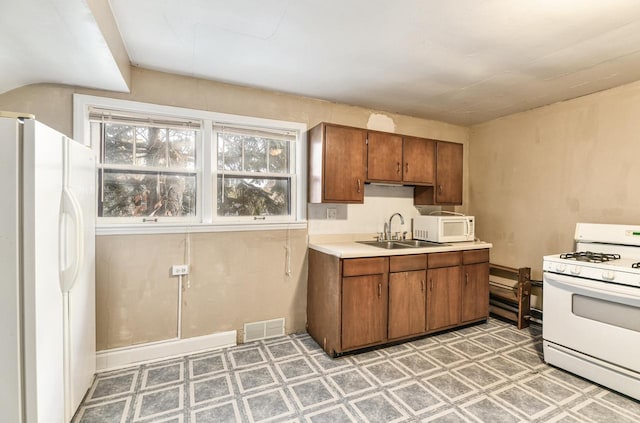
x=468, y=228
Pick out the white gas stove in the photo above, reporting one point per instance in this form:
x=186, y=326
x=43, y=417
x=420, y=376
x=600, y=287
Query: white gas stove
x=591, y=307
x=609, y=253
x=615, y=269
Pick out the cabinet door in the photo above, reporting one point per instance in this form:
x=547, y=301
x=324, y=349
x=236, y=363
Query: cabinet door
x=475, y=292
x=419, y=161
x=344, y=164
x=384, y=157
x=443, y=297
x=449, y=173
x=364, y=310
x=406, y=303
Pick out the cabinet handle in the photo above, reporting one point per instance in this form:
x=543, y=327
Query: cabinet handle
x=431, y=288
x=406, y=167
x=422, y=285
x=440, y=189
x=358, y=185
x=466, y=279
x=379, y=290
x=398, y=163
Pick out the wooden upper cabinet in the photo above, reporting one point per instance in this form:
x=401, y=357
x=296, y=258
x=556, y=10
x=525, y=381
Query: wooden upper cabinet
x=418, y=161
x=384, y=157
x=341, y=161
x=337, y=164
x=394, y=158
x=448, y=173
x=447, y=189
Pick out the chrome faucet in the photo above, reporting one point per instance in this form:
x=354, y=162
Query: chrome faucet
x=389, y=227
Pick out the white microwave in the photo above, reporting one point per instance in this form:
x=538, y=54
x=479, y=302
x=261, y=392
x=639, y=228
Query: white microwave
x=444, y=228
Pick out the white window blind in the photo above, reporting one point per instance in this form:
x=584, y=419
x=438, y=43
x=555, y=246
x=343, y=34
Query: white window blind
x=149, y=169
x=255, y=172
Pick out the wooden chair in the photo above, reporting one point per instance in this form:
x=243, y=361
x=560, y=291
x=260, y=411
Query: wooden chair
x=510, y=293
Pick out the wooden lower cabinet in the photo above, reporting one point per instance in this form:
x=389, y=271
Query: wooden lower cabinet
x=443, y=297
x=364, y=310
x=475, y=292
x=406, y=303
x=361, y=302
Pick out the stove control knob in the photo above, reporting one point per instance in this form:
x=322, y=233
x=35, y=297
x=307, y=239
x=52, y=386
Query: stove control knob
x=560, y=267
x=608, y=275
x=575, y=270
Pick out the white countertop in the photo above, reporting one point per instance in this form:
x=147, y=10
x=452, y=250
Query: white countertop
x=352, y=249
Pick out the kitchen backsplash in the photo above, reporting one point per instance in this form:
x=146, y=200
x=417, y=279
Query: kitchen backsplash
x=380, y=202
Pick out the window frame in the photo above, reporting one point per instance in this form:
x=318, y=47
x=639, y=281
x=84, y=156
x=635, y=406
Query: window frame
x=293, y=161
x=206, y=219
x=104, y=168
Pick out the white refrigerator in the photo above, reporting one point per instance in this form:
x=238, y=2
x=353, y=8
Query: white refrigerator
x=47, y=244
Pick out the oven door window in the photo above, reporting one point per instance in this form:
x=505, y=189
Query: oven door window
x=609, y=312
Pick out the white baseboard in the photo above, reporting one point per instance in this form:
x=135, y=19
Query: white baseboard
x=129, y=356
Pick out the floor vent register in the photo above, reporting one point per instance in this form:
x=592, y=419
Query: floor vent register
x=265, y=329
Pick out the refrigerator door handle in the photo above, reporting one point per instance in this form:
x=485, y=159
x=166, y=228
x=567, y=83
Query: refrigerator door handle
x=71, y=207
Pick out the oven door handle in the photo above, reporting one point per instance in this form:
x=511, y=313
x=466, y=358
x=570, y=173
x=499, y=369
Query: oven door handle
x=592, y=288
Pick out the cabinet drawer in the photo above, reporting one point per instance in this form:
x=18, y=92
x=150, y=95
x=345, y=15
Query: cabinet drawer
x=405, y=263
x=365, y=266
x=475, y=256
x=444, y=259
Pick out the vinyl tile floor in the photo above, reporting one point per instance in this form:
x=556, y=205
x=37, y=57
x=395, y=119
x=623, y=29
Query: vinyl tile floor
x=489, y=372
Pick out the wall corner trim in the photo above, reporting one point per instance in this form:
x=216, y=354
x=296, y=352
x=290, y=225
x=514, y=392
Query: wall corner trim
x=118, y=358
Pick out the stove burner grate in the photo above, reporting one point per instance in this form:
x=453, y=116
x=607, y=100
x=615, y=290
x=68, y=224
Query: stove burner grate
x=636, y=265
x=590, y=257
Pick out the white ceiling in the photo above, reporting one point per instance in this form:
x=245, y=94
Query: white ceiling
x=463, y=61
x=55, y=41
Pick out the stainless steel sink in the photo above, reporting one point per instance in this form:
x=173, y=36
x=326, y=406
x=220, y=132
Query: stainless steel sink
x=409, y=243
x=417, y=243
x=389, y=245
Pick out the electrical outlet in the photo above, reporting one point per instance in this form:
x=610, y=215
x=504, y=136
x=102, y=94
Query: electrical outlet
x=179, y=269
x=331, y=213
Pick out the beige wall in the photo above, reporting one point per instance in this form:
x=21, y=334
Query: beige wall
x=236, y=277
x=533, y=175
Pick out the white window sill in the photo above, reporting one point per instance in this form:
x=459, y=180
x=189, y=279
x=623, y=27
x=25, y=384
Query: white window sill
x=176, y=228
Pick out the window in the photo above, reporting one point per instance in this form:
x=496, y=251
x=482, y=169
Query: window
x=148, y=166
x=166, y=167
x=255, y=172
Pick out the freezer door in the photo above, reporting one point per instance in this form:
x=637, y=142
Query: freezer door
x=10, y=309
x=43, y=328
x=78, y=272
